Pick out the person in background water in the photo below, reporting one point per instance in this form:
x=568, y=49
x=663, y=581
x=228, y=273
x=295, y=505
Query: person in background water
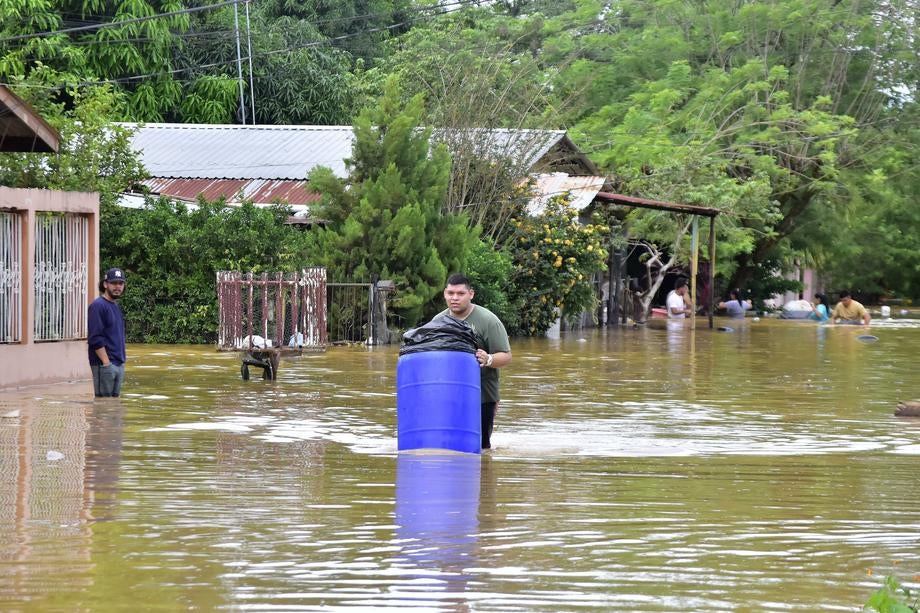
x=106, y=335
x=848, y=311
x=493, y=348
x=735, y=306
x=819, y=309
x=678, y=301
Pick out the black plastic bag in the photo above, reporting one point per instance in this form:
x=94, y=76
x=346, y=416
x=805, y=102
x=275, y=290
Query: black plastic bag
x=445, y=333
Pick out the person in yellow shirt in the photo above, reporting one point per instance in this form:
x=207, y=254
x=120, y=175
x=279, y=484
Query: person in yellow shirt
x=848, y=311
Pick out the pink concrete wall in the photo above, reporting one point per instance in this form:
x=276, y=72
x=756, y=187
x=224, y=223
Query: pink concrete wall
x=29, y=363
x=26, y=364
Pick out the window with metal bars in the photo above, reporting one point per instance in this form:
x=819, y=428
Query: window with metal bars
x=61, y=276
x=10, y=277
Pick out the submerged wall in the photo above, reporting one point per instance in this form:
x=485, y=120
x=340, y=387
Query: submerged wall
x=48, y=279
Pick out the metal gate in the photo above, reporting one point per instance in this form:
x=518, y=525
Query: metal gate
x=350, y=311
x=272, y=310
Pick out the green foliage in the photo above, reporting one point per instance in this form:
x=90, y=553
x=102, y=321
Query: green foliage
x=385, y=220
x=766, y=282
x=893, y=597
x=489, y=270
x=308, y=83
x=171, y=256
x=95, y=155
x=555, y=258
x=873, y=246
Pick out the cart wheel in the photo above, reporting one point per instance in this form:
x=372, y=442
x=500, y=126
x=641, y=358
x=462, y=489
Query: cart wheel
x=244, y=372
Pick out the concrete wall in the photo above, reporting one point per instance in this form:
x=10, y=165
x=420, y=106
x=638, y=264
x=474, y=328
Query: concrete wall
x=27, y=362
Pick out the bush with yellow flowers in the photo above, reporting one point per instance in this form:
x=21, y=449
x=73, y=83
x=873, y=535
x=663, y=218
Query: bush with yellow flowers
x=555, y=258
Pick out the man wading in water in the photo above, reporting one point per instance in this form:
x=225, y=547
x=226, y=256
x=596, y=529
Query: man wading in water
x=493, y=349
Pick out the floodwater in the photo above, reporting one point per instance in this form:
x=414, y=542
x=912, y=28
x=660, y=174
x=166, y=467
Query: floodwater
x=637, y=469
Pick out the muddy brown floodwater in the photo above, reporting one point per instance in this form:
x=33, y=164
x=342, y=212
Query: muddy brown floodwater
x=646, y=469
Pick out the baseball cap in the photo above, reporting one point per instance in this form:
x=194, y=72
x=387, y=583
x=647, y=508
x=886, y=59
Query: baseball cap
x=114, y=275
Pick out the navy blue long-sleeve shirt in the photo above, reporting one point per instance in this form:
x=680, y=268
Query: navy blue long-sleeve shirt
x=106, y=326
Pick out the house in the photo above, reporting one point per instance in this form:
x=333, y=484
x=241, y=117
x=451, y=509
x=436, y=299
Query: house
x=269, y=164
x=49, y=252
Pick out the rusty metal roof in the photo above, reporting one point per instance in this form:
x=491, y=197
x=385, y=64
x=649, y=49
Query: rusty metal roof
x=645, y=203
x=259, y=191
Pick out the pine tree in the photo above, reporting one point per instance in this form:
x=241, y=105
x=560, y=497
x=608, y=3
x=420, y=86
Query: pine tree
x=385, y=221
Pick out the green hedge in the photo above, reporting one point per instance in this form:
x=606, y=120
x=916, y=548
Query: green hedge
x=171, y=254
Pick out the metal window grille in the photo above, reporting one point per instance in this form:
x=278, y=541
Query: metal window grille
x=10, y=277
x=61, y=257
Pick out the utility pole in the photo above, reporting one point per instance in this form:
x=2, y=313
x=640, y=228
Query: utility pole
x=252, y=88
x=239, y=60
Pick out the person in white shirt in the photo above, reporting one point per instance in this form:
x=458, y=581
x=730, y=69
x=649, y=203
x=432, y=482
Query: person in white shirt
x=678, y=302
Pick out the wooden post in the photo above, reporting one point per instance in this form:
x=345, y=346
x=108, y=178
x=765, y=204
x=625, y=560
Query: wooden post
x=694, y=264
x=712, y=267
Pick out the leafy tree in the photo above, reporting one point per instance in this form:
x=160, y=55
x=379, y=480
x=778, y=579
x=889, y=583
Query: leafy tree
x=359, y=26
x=115, y=53
x=764, y=110
x=171, y=254
x=385, y=220
x=297, y=76
x=555, y=259
x=95, y=155
x=489, y=270
x=874, y=246
x=482, y=92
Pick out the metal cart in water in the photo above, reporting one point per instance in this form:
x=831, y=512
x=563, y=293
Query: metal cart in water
x=268, y=316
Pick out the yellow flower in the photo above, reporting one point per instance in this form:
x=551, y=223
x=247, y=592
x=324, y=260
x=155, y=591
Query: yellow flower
x=590, y=247
x=558, y=262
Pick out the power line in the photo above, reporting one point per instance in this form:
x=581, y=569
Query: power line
x=111, y=24
x=308, y=45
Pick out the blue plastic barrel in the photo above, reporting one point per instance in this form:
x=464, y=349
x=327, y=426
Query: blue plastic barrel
x=438, y=401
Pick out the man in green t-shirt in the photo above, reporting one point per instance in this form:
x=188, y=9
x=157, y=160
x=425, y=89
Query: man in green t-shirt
x=493, y=350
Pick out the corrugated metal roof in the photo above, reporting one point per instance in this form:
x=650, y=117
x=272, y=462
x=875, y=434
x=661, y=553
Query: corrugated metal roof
x=240, y=151
x=528, y=146
x=260, y=191
x=582, y=190
x=291, y=152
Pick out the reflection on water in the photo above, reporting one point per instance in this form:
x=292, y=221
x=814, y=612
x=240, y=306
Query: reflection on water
x=437, y=519
x=756, y=468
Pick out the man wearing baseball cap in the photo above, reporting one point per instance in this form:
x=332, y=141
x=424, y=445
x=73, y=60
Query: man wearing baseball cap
x=106, y=337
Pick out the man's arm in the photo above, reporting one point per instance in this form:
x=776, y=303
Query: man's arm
x=96, y=329
x=103, y=355
x=498, y=359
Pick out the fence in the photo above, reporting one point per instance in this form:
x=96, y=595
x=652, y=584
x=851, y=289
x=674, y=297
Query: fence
x=272, y=310
x=61, y=256
x=351, y=313
x=10, y=277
